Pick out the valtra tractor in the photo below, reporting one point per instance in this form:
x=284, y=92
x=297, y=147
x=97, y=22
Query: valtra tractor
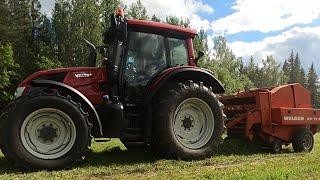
x=146, y=91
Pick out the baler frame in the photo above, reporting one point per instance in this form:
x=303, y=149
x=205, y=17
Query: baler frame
x=273, y=114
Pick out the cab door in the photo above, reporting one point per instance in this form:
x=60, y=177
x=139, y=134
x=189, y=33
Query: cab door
x=146, y=56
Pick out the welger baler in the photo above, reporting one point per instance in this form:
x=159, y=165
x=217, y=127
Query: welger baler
x=276, y=115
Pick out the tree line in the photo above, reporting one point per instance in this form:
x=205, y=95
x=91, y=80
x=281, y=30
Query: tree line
x=30, y=41
x=230, y=69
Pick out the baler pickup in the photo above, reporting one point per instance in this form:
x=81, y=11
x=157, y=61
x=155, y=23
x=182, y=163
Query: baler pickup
x=276, y=115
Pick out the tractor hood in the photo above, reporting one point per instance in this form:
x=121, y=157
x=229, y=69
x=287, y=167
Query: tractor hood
x=74, y=77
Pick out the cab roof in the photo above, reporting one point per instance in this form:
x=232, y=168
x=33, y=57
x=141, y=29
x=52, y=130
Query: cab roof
x=157, y=26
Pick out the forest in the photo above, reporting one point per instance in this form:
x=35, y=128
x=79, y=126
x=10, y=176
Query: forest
x=30, y=41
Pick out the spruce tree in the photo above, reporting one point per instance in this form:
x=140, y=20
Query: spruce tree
x=4, y=21
x=155, y=18
x=251, y=70
x=138, y=11
x=286, y=69
x=299, y=71
x=313, y=86
x=292, y=68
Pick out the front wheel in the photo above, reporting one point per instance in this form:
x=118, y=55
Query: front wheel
x=48, y=133
x=188, y=122
x=44, y=132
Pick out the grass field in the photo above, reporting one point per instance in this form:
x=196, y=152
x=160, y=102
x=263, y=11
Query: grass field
x=236, y=160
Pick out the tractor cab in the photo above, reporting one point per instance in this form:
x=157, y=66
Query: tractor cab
x=142, y=49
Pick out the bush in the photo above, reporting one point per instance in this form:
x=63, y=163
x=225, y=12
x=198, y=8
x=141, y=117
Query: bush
x=8, y=70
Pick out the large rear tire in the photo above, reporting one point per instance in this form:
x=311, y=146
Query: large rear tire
x=187, y=123
x=44, y=131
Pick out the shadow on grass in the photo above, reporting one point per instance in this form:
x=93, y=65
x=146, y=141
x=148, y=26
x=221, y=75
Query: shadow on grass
x=119, y=156
x=113, y=156
x=232, y=146
x=7, y=167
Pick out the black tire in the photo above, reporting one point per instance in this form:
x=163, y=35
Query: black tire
x=164, y=142
x=277, y=146
x=16, y=113
x=303, y=141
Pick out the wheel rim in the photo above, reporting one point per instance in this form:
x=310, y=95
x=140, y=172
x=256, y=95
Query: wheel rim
x=48, y=133
x=307, y=142
x=193, y=123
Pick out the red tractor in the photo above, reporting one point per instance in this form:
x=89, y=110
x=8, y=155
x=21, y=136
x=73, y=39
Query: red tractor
x=147, y=91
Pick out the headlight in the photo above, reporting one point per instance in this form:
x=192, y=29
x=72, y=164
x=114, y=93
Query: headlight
x=19, y=91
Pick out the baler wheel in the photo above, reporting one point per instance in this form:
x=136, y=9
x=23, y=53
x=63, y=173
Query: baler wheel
x=303, y=141
x=277, y=146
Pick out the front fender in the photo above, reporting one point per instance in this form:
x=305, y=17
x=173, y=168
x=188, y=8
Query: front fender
x=73, y=92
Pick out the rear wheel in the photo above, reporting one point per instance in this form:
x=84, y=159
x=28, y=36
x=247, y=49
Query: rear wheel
x=193, y=123
x=188, y=122
x=45, y=132
x=303, y=141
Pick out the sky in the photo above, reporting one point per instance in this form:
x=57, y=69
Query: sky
x=251, y=27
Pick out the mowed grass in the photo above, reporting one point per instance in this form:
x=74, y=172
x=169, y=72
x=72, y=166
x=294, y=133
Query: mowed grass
x=236, y=159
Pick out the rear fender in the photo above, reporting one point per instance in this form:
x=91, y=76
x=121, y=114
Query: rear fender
x=93, y=118
x=179, y=74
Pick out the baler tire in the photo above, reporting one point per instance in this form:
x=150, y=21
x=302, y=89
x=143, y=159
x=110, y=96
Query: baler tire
x=299, y=141
x=165, y=142
x=17, y=112
x=277, y=146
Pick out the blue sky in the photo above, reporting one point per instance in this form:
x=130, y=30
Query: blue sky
x=252, y=27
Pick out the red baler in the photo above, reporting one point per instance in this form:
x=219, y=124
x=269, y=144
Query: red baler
x=276, y=115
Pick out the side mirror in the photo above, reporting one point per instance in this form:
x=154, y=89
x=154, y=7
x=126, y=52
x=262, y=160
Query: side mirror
x=200, y=55
x=92, y=56
x=103, y=51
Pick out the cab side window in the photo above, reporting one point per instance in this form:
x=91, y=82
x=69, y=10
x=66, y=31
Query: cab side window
x=178, y=52
x=146, y=57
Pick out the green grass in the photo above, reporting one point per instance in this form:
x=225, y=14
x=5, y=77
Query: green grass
x=236, y=160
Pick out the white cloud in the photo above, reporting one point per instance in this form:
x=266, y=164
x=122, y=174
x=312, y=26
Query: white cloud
x=198, y=23
x=267, y=15
x=181, y=8
x=306, y=41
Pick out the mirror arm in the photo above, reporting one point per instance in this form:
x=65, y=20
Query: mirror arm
x=89, y=44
